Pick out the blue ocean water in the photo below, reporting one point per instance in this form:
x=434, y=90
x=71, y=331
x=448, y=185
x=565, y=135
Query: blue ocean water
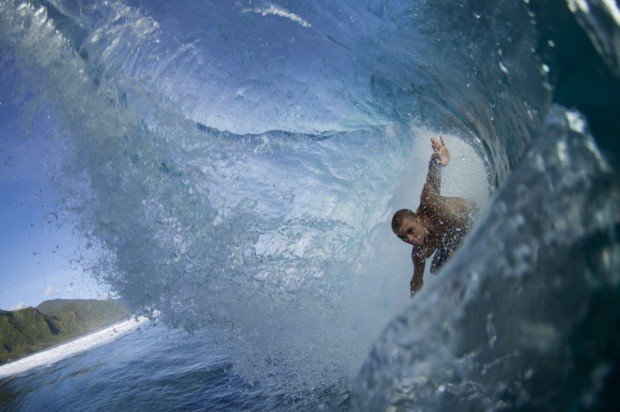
x=152, y=369
x=236, y=164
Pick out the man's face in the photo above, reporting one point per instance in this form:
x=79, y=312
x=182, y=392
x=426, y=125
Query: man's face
x=412, y=231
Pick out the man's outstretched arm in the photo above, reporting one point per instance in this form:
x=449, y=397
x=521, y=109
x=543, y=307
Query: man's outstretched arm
x=440, y=157
x=417, y=281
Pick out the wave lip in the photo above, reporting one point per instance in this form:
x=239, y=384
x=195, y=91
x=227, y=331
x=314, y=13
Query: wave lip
x=600, y=20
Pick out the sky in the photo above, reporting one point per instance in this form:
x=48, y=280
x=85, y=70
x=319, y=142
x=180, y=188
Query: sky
x=38, y=244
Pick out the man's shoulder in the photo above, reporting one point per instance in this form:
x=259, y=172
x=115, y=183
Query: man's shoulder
x=432, y=205
x=429, y=200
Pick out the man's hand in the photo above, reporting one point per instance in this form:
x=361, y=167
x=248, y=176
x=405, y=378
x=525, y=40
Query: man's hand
x=440, y=151
x=416, y=284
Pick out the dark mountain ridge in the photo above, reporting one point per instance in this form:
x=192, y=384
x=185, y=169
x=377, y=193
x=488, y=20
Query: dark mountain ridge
x=24, y=331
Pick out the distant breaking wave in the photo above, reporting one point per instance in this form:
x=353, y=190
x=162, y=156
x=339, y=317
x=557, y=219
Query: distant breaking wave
x=274, y=10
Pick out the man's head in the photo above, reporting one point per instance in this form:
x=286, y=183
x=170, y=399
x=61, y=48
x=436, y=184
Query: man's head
x=408, y=227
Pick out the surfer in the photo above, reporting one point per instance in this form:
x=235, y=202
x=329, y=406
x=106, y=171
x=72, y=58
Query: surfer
x=440, y=223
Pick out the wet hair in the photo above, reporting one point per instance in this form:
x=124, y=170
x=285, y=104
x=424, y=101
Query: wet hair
x=401, y=215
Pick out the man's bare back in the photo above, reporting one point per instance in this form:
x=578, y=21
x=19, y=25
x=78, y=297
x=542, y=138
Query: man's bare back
x=438, y=225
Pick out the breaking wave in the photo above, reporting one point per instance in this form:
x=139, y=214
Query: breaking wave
x=237, y=165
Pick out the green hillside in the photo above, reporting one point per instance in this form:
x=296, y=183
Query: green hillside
x=28, y=330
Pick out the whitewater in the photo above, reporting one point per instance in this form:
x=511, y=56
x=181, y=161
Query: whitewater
x=236, y=166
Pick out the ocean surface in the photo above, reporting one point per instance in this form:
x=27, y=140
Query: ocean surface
x=235, y=166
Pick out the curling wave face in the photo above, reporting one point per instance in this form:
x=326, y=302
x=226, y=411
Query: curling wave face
x=238, y=163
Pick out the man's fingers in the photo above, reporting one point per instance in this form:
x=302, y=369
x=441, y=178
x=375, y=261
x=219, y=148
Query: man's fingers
x=441, y=137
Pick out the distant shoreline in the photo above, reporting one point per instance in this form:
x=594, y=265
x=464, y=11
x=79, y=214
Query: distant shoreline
x=54, y=322
x=62, y=351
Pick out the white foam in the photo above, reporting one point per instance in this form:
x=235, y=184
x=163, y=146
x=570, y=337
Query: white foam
x=274, y=10
x=575, y=121
x=51, y=356
x=575, y=5
x=613, y=10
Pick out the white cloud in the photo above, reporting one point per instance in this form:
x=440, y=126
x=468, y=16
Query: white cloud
x=20, y=305
x=49, y=291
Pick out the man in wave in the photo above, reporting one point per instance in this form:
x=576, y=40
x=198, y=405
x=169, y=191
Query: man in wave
x=440, y=223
